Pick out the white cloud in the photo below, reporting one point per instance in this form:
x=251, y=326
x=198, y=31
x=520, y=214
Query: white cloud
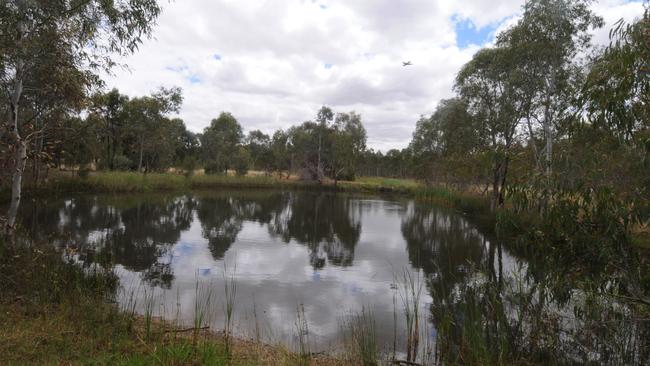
x=273, y=54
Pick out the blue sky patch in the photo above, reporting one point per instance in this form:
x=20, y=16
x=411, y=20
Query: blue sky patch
x=328, y=66
x=468, y=34
x=180, y=68
x=185, y=71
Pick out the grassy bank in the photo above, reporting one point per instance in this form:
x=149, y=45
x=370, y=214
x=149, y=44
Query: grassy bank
x=56, y=312
x=129, y=182
x=471, y=204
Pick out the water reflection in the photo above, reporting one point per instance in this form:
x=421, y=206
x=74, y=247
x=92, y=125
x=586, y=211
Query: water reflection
x=338, y=253
x=329, y=226
x=491, y=307
x=221, y=221
x=444, y=245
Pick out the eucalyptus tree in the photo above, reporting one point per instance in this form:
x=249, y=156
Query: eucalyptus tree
x=241, y=161
x=78, y=139
x=149, y=126
x=324, y=117
x=349, y=142
x=618, y=84
x=187, y=147
x=281, y=153
x=397, y=163
x=489, y=85
x=107, y=111
x=220, y=142
x=259, y=148
x=617, y=105
x=549, y=46
x=305, y=144
x=446, y=140
x=50, y=53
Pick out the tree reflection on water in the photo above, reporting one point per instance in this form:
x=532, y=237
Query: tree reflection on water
x=489, y=302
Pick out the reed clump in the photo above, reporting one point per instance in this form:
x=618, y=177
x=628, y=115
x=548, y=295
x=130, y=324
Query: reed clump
x=360, y=338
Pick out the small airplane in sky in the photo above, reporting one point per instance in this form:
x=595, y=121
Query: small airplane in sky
x=407, y=63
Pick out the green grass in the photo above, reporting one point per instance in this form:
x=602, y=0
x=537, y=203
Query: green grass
x=473, y=204
x=131, y=182
x=391, y=183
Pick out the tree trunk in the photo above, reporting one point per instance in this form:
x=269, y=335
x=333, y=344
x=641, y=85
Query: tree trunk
x=20, y=145
x=16, y=186
x=504, y=175
x=549, y=142
x=533, y=143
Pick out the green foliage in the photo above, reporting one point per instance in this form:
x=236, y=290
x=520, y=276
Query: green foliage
x=349, y=142
x=51, y=55
x=220, y=142
x=133, y=134
x=281, y=160
x=189, y=165
x=329, y=147
x=241, y=161
x=155, y=137
x=447, y=146
x=122, y=162
x=258, y=145
x=587, y=227
x=38, y=277
x=618, y=81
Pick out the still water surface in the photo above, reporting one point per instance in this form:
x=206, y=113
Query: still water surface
x=329, y=254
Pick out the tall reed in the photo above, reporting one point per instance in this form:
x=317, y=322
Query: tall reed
x=202, y=308
x=149, y=304
x=410, y=291
x=230, y=292
x=302, y=328
x=360, y=337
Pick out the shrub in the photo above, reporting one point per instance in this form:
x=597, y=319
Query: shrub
x=122, y=162
x=242, y=160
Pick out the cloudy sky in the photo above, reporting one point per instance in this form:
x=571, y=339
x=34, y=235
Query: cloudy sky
x=273, y=63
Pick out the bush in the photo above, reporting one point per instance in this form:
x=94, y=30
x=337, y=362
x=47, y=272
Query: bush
x=585, y=226
x=242, y=161
x=83, y=171
x=212, y=167
x=189, y=165
x=122, y=162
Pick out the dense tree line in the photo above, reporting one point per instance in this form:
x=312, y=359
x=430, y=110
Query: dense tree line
x=121, y=133
x=541, y=107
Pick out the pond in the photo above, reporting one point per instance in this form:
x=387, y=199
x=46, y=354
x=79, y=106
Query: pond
x=300, y=265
